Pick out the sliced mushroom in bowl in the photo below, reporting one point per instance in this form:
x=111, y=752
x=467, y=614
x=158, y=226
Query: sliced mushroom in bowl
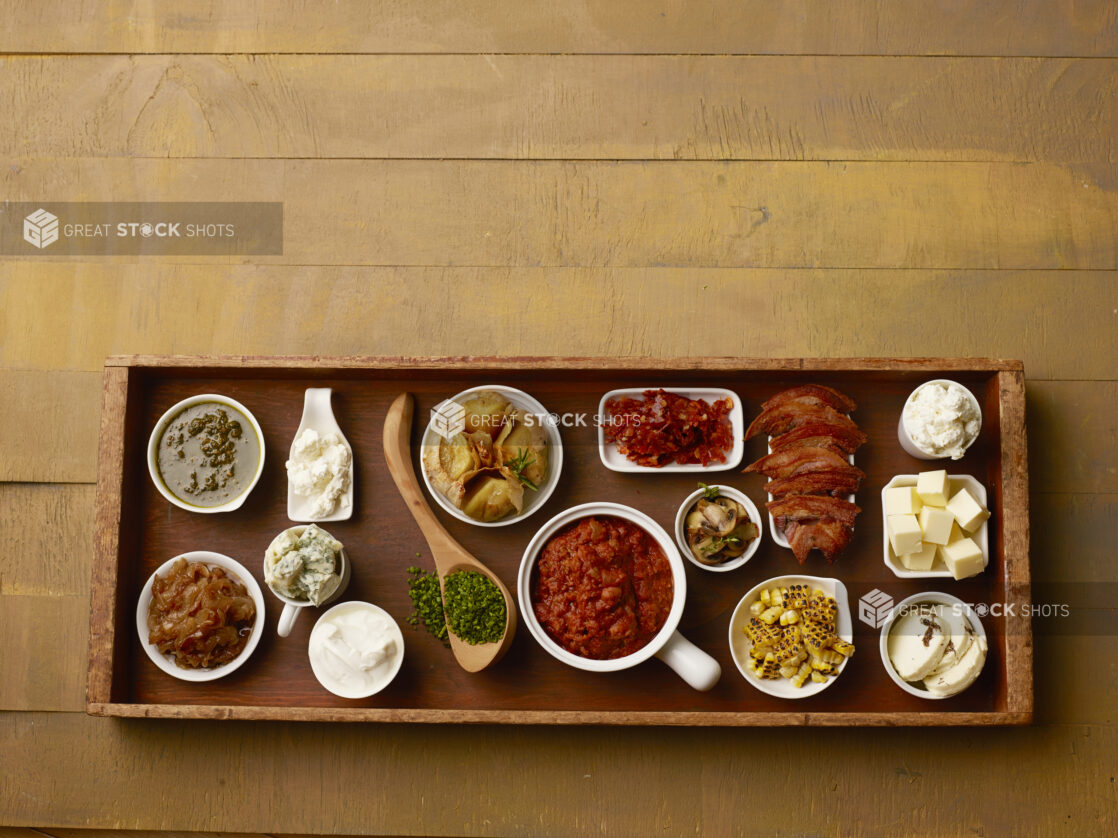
x=718, y=528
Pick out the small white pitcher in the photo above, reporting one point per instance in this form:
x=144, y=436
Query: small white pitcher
x=293, y=607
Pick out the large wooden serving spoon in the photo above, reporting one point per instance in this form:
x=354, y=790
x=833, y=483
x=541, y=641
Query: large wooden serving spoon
x=449, y=555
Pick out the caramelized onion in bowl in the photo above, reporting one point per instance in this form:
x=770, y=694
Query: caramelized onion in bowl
x=200, y=615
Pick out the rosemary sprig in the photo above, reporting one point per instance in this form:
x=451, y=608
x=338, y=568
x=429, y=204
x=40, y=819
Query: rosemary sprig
x=520, y=462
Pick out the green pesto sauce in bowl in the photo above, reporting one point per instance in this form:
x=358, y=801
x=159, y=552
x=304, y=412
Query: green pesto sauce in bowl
x=208, y=454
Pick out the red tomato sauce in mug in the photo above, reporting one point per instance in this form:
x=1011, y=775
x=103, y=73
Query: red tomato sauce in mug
x=602, y=588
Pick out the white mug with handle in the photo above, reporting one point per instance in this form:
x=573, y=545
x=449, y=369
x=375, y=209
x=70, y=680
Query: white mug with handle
x=292, y=608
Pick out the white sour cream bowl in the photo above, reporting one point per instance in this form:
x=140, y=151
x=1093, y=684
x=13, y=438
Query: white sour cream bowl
x=356, y=649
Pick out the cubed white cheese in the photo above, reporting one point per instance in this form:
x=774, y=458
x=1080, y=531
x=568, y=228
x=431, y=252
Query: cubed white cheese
x=922, y=559
x=963, y=558
x=967, y=510
x=932, y=487
x=904, y=533
x=936, y=524
x=902, y=500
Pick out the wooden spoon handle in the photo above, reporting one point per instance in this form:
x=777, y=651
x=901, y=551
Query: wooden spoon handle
x=397, y=452
x=447, y=553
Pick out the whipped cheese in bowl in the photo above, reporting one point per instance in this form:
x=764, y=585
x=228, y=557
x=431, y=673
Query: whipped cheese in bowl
x=356, y=649
x=940, y=419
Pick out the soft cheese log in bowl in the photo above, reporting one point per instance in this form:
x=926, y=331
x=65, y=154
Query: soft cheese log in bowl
x=933, y=645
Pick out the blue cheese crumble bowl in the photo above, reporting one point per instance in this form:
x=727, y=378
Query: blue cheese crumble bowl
x=304, y=566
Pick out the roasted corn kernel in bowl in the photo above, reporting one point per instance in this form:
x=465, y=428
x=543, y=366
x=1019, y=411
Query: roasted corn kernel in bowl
x=791, y=636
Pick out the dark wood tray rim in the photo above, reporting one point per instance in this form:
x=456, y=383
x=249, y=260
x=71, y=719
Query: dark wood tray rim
x=1014, y=542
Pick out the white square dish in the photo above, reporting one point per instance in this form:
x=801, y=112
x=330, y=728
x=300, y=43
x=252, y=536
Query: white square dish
x=939, y=569
x=616, y=461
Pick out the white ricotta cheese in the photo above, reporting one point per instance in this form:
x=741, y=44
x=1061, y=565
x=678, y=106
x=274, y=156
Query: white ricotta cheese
x=941, y=419
x=319, y=469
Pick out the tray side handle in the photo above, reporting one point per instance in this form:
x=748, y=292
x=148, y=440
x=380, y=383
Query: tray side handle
x=106, y=538
x=1015, y=542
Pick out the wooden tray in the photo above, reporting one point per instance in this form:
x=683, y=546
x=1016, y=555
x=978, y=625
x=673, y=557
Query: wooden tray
x=137, y=530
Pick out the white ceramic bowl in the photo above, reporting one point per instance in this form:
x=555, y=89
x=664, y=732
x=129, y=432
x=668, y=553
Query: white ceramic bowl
x=167, y=662
x=939, y=570
x=681, y=528
x=740, y=642
x=393, y=671
x=157, y=433
x=690, y=662
x=616, y=461
x=899, y=609
x=907, y=442
x=532, y=500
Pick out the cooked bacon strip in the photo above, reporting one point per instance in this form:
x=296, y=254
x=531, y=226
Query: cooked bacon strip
x=827, y=535
x=793, y=461
x=811, y=441
x=827, y=482
x=820, y=435
x=818, y=392
x=819, y=442
x=806, y=507
x=786, y=417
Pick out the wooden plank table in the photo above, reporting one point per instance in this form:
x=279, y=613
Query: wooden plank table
x=601, y=177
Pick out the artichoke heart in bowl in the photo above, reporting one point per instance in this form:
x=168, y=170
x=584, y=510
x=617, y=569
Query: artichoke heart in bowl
x=495, y=460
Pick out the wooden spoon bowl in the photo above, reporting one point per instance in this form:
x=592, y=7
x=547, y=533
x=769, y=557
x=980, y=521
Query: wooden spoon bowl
x=449, y=555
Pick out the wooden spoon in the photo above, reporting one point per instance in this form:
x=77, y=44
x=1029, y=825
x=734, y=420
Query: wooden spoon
x=449, y=555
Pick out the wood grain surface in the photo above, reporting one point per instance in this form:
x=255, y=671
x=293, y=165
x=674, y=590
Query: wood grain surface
x=564, y=107
x=502, y=213
x=960, y=27
x=601, y=177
